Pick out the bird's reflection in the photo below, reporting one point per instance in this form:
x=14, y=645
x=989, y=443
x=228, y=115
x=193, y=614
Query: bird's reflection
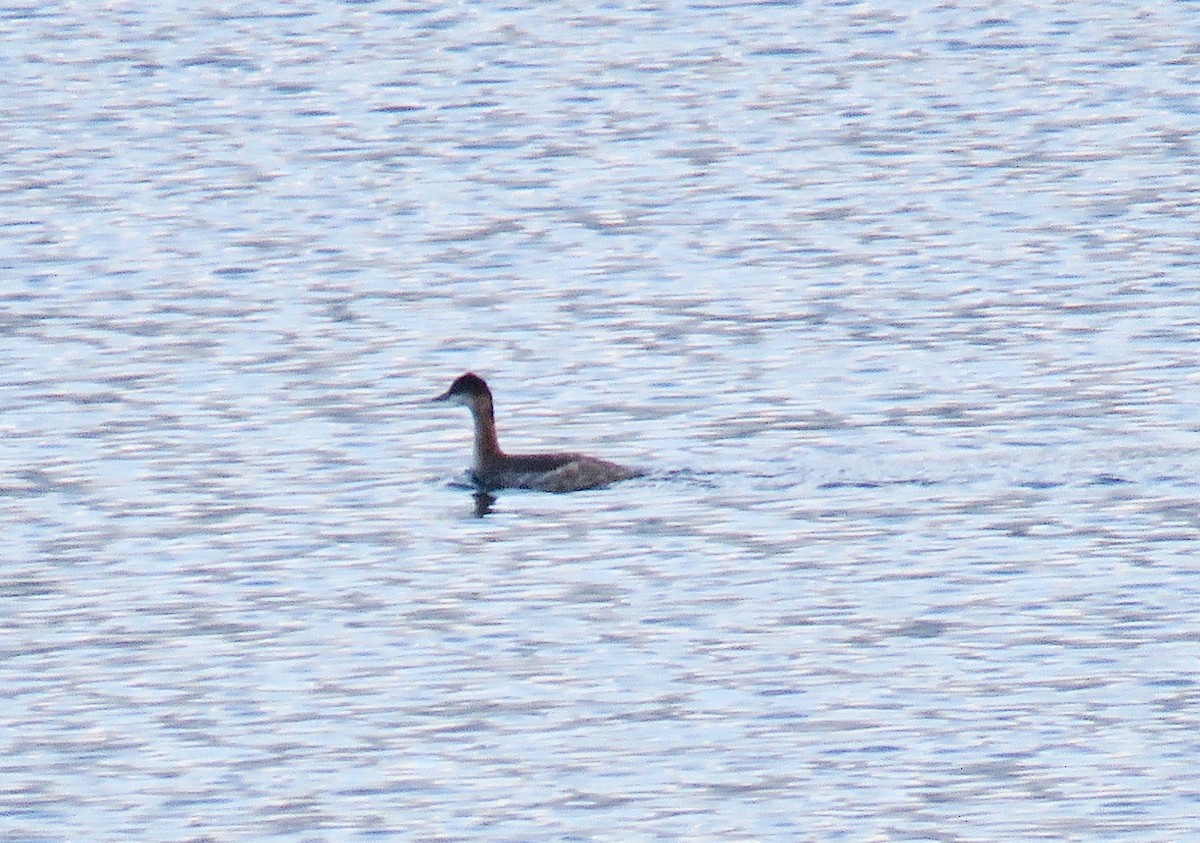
x=483, y=503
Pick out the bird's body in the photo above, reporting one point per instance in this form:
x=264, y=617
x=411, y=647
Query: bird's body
x=493, y=469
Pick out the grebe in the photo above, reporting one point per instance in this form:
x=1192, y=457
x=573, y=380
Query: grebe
x=494, y=469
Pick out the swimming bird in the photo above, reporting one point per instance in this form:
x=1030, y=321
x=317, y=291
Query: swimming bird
x=493, y=469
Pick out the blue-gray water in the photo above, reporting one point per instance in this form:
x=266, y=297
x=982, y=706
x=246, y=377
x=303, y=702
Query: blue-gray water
x=899, y=303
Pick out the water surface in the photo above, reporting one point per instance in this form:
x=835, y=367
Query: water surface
x=898, y=305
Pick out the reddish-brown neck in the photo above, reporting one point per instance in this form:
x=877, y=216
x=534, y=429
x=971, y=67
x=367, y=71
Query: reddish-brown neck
x=487, y=447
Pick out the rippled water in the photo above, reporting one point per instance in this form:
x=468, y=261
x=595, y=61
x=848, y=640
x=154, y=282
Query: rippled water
x=898, y=303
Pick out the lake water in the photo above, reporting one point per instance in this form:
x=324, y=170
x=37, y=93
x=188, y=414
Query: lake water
x=898, y=303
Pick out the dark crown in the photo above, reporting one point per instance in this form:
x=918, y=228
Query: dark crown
x=469, y=384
